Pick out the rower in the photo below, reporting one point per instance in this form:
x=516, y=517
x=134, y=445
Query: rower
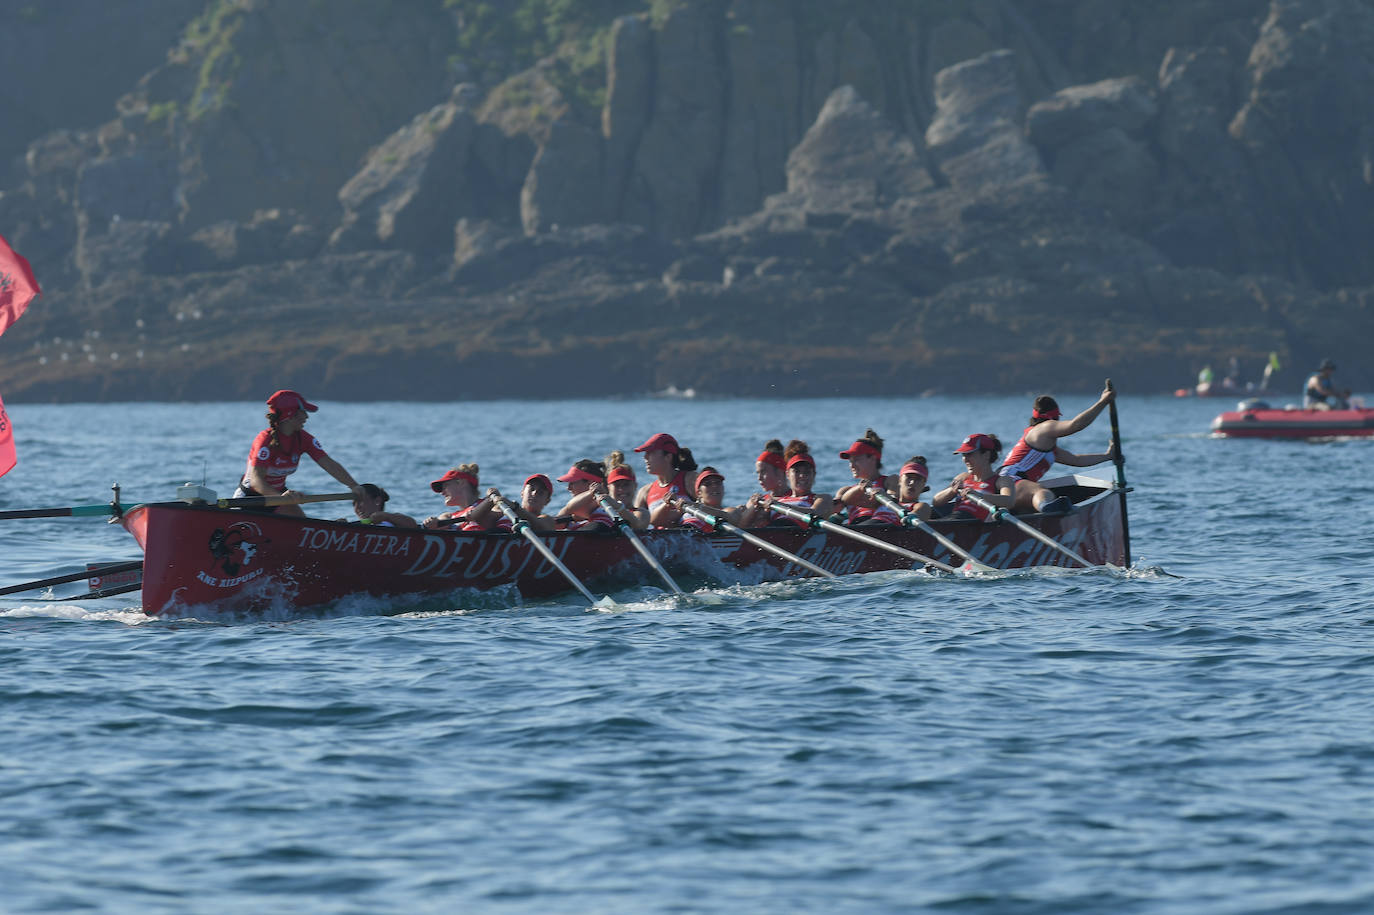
x=586, y=480
x=534, y=498
x=371, y=508
x=670, y=464
x=1321, y=393
x=911, y=485
x=458, y=486
x=865, y=458
x=622, y=486
x=1038, y=449
x=770, y=467
x=277, y=450
x=801, y=477
x=710, y=485
x=979, y=450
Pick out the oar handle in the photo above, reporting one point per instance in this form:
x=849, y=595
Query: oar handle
x=823, y=524
x=272, y=501
x=1118, y=458
x=605, y=502
x=915, y=521
x=523, y=528
x=1002, y=513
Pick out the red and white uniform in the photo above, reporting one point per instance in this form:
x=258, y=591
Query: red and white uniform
x=659, y=491
x=597, y=519
x=876, y=514
x=1026, y=463
x=969, y=508
x=281, y=460
x=799, y=501
x=706, y=527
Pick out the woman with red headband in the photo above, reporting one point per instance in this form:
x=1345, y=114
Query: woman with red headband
x=978, y=451
x=622, y=485
x=586, y=480
x=801, y=476
x=670, y=465
x=865, y=458
x=911, y=484
x=1038, y=449
x=771, y=470
x=710, y=485
x=534, y=498
x=277, y=450
x=459, y=489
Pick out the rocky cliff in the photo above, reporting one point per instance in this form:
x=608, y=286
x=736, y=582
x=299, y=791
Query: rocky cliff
x=363, y=200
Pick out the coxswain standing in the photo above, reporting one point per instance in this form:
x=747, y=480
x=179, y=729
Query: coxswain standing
x=978, y=451
x=1038, y=449
x=277, y=450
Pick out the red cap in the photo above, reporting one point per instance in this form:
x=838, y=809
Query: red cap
x=660, y=441
x=709, y=474
x=771, y=457
x=538, y=478
x=1048, y=414
x=454, y=474
x=976, y=442
x=286, y=403
x=621, y=472
x=576, y=473
x=860, y=447
x=917, y=468
x=800, y=459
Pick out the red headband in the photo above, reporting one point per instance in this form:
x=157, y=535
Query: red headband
x=1048, y=414
x=621, y=472
x=577, y=473
x=772, y=457
x=917, y=468
x=860, y=447
x=438, y=485
x=801, y=459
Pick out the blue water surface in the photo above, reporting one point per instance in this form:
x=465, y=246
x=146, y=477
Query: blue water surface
x=1193, y=736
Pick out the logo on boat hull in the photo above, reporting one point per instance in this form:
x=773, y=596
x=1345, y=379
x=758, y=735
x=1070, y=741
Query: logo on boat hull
x=232, y=550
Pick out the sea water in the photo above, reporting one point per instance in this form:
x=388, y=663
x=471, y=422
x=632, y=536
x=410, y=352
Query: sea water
x=1194, y=736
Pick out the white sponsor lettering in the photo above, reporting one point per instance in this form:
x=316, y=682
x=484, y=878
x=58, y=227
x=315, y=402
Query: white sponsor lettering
x=349, y=541
x=214, y=582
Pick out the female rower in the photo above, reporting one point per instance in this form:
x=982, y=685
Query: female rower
x=370, y=508
x=277, y=450
x=710, y=484
x=534, y=498
x=865, y=458
x=771, y=468
x=911, y=484
x=1038, y=448
x=978, y=451
x=459, y=489
x=586, y=480
x=670, y=465
x=801, y=476
x=622, y=485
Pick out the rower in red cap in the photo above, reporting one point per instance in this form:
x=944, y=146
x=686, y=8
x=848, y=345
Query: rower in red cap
x=979, y=450
x=865, y=459
x=1038, y=449
x=670, y=465
x=277, y=450
x=586, y=480
x=458, y=486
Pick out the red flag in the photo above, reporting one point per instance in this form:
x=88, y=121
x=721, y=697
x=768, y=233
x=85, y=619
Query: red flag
x=7, y=456
x=17, y=285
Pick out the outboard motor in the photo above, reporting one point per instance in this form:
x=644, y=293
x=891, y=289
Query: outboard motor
x=1253, y=403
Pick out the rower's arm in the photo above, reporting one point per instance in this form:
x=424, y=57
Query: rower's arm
x=336, y=470
x=257, y=478
x=1084, y=419
x=1062, y=456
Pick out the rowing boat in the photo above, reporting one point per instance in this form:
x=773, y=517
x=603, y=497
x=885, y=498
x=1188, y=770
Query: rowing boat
x=200, y=559
x=1259, y=420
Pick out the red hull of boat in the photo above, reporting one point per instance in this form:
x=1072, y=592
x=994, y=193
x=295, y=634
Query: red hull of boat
x=1269, y=423
x=200, y=559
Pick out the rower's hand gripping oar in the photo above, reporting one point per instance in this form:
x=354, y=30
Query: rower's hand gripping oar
x=798, y=514
x=697, y=510
x=523, y=527
x=1001, y=513
x=649, y=557
x=912, y=520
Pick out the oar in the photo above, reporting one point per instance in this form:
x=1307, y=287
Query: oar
x=71, y=511
x=522, y=527
x=699, y=511
x=798, y=514
x=629, y=532
x=270, y=501
x=104, y=592
x=911, y=520
x=1120, y=461
x=74, y=576
x=1002, y=513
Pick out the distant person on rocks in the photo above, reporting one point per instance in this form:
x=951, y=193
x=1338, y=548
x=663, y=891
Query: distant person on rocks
x=277, y=450
x=979, y=451
x=1321, y=393
x=1038, y=449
